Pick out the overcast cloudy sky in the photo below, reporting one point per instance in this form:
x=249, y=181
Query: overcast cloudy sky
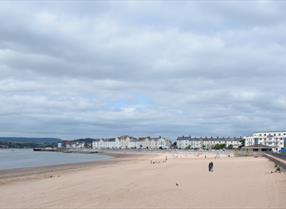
x=92, y=69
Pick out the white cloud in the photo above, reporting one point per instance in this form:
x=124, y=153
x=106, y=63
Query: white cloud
x=201, y=69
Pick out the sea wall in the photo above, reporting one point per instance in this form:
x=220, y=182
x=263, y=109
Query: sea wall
x=276, y=160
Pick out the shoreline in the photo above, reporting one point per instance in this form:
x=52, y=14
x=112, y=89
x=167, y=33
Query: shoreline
x=117, y=156
x=50, y=171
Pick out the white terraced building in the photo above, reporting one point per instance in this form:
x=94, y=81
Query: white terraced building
x=157, y=143
x=128, y=142
x=122, y=142
x=274, y=139
x=110, y=143
x=71, y=144
x=206, y=142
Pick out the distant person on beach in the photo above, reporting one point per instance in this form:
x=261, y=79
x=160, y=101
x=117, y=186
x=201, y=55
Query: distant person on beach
x=211, y=166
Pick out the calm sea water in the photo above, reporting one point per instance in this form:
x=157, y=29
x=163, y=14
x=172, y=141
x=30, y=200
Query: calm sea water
x=23, y=158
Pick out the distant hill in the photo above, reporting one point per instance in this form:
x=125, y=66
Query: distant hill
x=33, y=140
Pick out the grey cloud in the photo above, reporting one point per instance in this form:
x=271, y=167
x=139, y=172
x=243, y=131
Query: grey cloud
x=207, y=68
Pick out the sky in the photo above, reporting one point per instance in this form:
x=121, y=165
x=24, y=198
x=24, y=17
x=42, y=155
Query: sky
x=74, y=69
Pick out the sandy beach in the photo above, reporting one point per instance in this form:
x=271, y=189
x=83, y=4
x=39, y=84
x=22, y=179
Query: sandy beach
x=183, y=181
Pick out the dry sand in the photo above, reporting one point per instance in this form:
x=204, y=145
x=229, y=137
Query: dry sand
x=242, y=182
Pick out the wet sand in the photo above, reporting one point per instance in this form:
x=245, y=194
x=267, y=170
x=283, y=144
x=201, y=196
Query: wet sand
x=24, y=174
x=183, y=181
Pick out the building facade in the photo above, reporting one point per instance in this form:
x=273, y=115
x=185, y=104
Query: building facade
x=71, y=144
x=206, y=142
x=108, y=143
x=274, y=139
x=129, y=142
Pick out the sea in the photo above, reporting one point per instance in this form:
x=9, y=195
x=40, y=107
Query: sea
x=25, y=158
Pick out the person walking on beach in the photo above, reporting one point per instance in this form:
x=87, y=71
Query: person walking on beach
x=211, y=166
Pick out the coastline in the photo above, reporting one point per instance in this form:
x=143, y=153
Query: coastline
x=117, y=156
x=50, y=171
